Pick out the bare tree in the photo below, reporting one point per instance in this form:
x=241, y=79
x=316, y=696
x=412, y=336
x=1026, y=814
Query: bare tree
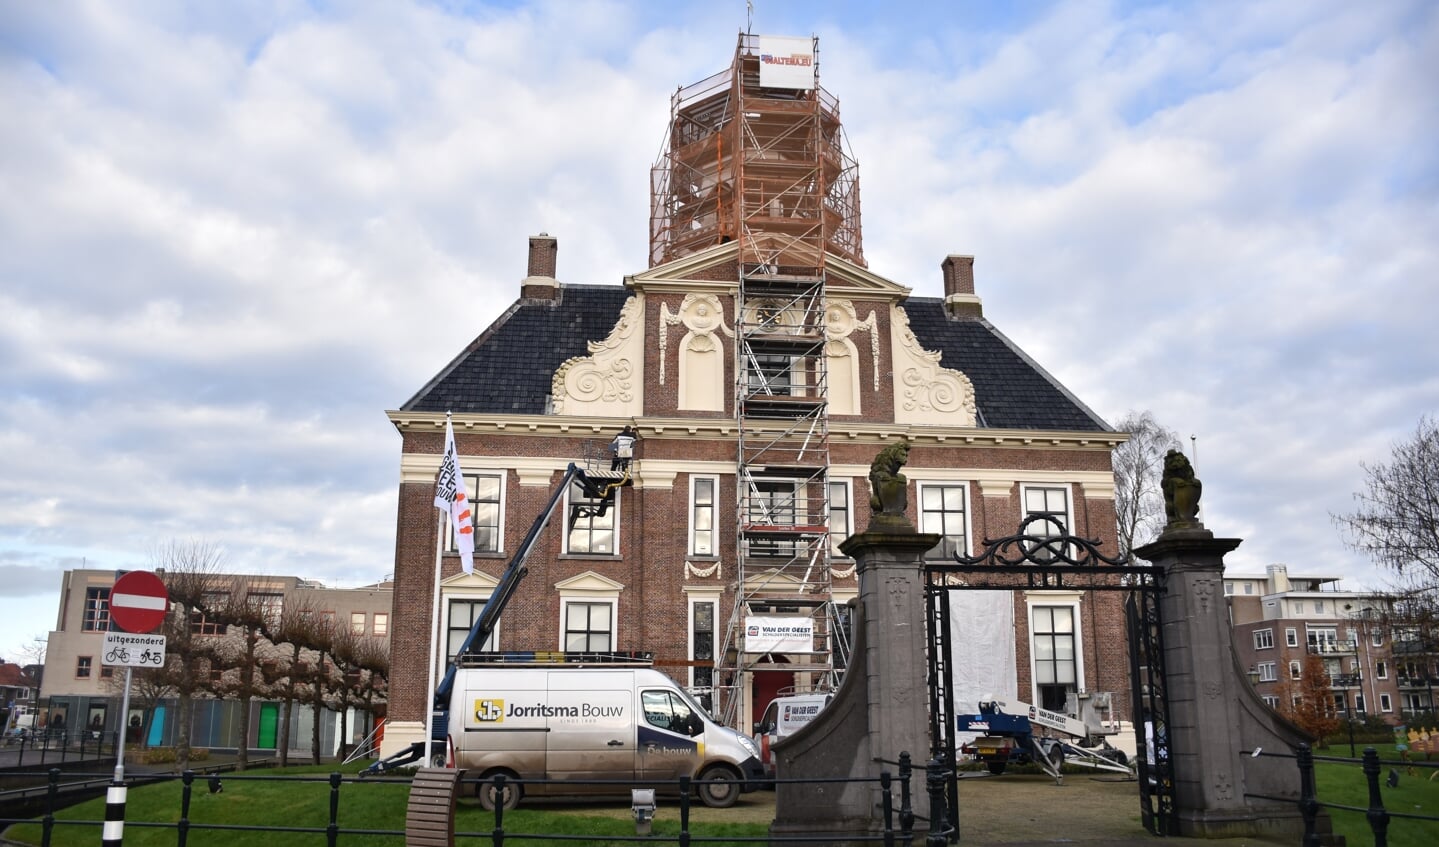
x=1397, y=519
x=245, y=616
x=299, y=622
x=1138, y=466
x=191, y=571
x=1308, y=702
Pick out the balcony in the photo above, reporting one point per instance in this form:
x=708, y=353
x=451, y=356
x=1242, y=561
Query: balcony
x=1413, y=648
x=1332, y=648
x=1417, y=681
x=1348, y=680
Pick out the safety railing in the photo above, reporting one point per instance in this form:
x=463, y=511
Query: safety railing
x=894, y=824
x=1377, y=816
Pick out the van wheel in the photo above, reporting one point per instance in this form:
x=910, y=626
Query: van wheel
x=490, y=795
x=996, y=768
x=718, y=787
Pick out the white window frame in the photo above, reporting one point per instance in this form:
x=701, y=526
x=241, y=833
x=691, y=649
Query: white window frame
x=565, y=536
x=1381, y=669
x=1295, y=670
x=1271, y=701
x=835, y=536
x=359, y=621
x=1291, y=636
x=1070, y=599
x=589, y=600
x=449, y=597
x=714, y=507
x=1385, y=703
x=1024, y=490
x=1263, y=639
x=938, y=553
x=699, y=598
x=1228, y=587
x=471, y=487
x=1268, y=672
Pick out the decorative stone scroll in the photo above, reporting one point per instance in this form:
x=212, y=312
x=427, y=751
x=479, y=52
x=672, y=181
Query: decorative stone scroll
x=926, y=392
x=841, y=321
x=610, y=380
x=701, y=353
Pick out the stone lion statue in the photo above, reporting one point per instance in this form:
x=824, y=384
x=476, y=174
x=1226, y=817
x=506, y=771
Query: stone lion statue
x=1181, y=489
x=889, y=489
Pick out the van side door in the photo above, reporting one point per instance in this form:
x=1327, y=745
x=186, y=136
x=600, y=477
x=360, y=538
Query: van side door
x=671, y=735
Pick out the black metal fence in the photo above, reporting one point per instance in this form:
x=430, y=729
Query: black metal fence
x=1377, y=816
x=894, y=822
x=56, y=746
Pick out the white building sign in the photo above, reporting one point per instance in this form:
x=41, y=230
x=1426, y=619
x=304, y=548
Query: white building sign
x=786, y=61
x=768, y=634
x=129, y=649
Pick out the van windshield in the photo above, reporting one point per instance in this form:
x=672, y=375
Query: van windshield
x=694, y=704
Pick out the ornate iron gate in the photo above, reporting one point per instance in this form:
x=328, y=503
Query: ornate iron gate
x=1046, y=558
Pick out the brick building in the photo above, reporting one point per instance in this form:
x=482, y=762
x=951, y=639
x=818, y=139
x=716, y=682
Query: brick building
x=763, y=365
x=1375, y=662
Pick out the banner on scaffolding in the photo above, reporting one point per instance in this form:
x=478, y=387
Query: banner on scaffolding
x=786, y=61
x=772, y=634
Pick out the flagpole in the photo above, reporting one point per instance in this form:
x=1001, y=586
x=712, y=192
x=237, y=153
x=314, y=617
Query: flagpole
x=434, y=631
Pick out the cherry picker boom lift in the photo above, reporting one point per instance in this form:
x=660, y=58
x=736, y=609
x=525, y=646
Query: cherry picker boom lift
x=1008, y=735
x=598, y=487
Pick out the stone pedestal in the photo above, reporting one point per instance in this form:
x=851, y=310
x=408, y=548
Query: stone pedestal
x=881, y=709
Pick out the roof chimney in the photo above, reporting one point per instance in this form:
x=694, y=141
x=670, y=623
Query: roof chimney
x=959, y=298
x=540, y=283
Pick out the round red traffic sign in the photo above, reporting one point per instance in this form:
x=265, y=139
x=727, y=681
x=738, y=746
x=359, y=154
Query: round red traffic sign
x=139, y=601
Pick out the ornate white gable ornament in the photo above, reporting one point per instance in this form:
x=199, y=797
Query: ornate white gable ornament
x=925, y=392
x=610, y=380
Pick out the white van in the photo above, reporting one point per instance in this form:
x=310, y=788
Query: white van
x=782, y=718
x=591, y=723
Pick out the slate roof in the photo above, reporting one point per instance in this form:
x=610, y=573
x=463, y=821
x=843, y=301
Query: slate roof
x=508, y=369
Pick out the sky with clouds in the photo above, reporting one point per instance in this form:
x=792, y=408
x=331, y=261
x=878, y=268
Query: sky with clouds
x=233, y=234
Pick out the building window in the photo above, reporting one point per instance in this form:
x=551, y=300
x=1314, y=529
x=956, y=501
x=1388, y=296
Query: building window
x=1054, y=654
x=1228, y=587
x=589, y=627
x=1359, y=702
x=1052, y=504
x=203, y=623
x=1376, y=639
x=1291, y=636
x=704, y=529
x=82, y=667
x=357, y=623
x=1248, y=588
x=593, y=524
x=1381, y=670
x=702, y=649
x=485, y=492
x=771, y=374
x=1323, y=640
x=382, y=624
x=942, y=511
x=106, y=672
x=771, y=502
x=327, y=618
x=1268, y=672
x=840, y=527
x=1271, y=701
x=462, y=617
x=1294, y=670
x=1319, y=606
x=97, y=610
x=270, y=606
x=1385, y=704
x=1263, y=639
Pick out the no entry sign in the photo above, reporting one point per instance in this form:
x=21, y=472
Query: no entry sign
x=139, y=601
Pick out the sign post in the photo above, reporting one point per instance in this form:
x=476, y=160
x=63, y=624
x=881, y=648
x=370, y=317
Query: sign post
x=139, y=602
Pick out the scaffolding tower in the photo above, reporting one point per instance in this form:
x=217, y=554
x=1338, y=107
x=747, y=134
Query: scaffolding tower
x=757, y=155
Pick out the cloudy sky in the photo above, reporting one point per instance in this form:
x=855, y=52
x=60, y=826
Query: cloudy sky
x=233, y=234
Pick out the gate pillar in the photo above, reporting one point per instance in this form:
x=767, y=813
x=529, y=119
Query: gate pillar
x=881, y=708
x=1214, y=713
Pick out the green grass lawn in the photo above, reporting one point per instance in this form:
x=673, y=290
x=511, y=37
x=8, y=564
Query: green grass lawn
x=1344, y=784
x=302, y=801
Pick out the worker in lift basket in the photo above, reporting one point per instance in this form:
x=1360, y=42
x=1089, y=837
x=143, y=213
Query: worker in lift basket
x=623, y=449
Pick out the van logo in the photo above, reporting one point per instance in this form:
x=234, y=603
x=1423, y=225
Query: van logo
x=490, y=710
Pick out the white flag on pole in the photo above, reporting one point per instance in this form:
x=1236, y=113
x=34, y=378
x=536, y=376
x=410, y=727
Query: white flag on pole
x=450, y=497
